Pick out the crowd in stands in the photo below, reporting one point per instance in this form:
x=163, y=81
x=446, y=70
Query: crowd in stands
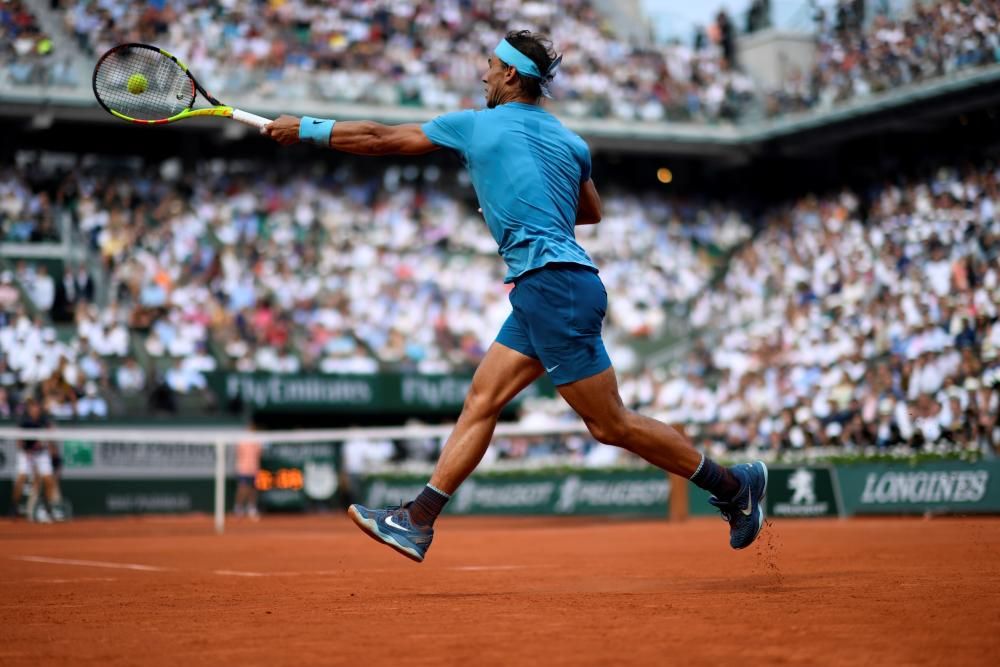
x=422, y=53
x=836, y=327
x=837, y=324
x=344, y=273
x=70, y=380
x=26, y=210
x=358, y=273
x=432, y=54
x=856, y=59
x=28, y=55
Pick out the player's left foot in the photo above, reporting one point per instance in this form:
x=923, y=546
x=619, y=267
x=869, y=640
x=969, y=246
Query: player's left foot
x=745, y=512
x=392, y=526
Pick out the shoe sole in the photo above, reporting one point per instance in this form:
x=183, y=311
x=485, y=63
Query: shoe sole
x=370, y=528
x=760, y=508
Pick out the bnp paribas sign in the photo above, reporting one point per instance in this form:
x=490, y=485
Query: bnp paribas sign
x=939, y=487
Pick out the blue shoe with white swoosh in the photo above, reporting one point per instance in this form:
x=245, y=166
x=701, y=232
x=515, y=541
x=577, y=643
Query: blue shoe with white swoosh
x=745, y=512
x=392, y=526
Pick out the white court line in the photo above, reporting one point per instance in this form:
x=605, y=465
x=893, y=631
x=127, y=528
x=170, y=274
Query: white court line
x=243, y=573
x=68, y=581
x=90, y=563
x=459, y=568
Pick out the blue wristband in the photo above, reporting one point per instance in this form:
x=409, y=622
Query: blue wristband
x=316, y=130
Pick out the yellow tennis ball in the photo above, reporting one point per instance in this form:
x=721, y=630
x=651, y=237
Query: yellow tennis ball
x=137, y=84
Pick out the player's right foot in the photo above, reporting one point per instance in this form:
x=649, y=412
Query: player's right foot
x=392, y=526
x=745, y=512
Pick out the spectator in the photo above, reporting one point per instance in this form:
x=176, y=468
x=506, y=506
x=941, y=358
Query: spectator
x=183, y=379
x=9, y=295
x=75, y=288
x=6, y=410
x=92, y=405
x=42, y=289
x=130, y=378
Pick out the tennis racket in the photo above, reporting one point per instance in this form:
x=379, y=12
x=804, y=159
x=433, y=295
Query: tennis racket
x=146, y=85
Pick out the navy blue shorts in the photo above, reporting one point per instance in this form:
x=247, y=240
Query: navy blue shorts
x=558, y=311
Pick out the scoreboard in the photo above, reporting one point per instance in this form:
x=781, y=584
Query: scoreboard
x=295, y=477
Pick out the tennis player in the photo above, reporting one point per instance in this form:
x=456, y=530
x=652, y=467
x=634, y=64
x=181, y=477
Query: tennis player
x=35, y=461
x=532, y=178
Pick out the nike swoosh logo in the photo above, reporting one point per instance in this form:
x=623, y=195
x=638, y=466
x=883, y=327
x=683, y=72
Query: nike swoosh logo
x=317, y=122
x=392, y=523
x=749, y=507
x=549, y=370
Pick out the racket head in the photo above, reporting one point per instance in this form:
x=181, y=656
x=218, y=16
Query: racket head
x=169, y=89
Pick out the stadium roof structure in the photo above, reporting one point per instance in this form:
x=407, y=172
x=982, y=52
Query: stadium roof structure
x=963, y=91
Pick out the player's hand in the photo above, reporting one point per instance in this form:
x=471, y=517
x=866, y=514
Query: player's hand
x=284, y=130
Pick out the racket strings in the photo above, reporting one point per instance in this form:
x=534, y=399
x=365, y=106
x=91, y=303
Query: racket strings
x=168, y=89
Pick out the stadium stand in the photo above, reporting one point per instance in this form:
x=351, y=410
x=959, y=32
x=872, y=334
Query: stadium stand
x=411, y=54
x=894, y=343
x=28, y=55
x=857, y=59
x=350, y=274
x=837, y=327
x=242, y=266
x=424, y=53
x=25, y=210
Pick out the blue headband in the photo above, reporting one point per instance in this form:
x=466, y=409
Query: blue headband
x=506, y=52
x=524, y=65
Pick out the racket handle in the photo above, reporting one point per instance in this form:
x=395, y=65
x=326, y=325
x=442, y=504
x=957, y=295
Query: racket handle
x=250, y=119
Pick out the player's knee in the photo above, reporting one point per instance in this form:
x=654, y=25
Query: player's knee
x=609, y=431
x=479, y=402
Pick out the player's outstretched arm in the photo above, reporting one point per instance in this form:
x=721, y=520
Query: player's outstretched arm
x=361, y=137
x=588, y=210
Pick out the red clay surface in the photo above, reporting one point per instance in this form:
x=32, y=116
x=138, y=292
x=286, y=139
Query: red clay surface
x=316, y=591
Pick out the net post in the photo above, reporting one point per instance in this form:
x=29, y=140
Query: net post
x=220, y=486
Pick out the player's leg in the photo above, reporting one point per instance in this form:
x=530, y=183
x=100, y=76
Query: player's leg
x=506, y=369
x=563, y=310
x=23, y=466
x=45, y=483
x=738, y=492
x=56, y=459
x=501, y=376
x=34, y=494
x=597, y=401
x=240, y=501
x=52, y=497
x=17, y=492
x=252, y=511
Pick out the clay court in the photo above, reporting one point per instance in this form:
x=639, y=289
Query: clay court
x=314, y=590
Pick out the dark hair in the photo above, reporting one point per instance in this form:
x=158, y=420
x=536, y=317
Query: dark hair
x=537, y=47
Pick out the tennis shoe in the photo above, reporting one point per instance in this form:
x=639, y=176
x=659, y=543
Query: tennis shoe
x=392, y=526
x=745, y=512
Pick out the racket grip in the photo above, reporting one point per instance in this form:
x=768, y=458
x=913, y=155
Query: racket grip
x=250, y=119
